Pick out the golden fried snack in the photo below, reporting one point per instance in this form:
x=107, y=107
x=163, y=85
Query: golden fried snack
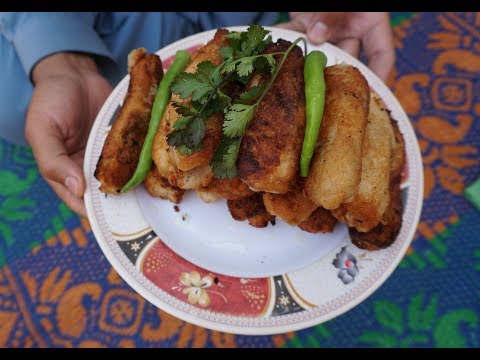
x=269, y=155
x=385, y=233
x=320, y=221
x=372, y=196
x=230, y=189
x=252, y=209
x=336, y=165
x=190, y=171
x=120, y=153
x=293, y=207
x=213, y=134
x=158, y=186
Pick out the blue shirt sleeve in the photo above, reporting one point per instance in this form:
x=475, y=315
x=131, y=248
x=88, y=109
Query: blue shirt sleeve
x=211, y=20
x=37, y=35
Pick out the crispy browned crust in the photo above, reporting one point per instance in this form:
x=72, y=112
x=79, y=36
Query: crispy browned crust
x=270, y=151
x=190, y=171
x=213, y=133
x=385, y=233
x=252, y=209
x=158, y=186
x=336, y=165
x=320, y=221
x=120, y=153
x=293, y=207
x=230, y=189
x=372, y=196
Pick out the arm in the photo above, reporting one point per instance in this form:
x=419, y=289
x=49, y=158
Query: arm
x=37, y=35
x=57, y=51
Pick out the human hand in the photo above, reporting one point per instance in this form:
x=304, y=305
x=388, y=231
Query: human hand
x=69, y=92
x=350, y=31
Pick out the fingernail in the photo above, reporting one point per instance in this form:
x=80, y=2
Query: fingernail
x=318, y=31
x=72, y=184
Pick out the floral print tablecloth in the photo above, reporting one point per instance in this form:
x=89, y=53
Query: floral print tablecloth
x=58, y=290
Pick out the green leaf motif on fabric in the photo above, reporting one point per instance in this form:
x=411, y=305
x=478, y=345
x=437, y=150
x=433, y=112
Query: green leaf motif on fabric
x=314, y=340
x=389, y=315
x=378, y=339
x=11, y=184
x=6, y=233
x=23, y=155
x=12, y=210
x=448, y=333
x=457, y=328
x=419, y=320
x=476, y=253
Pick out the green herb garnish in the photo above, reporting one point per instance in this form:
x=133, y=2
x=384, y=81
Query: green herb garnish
x=241, y=59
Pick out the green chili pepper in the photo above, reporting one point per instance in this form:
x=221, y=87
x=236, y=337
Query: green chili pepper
x=162, y=98
x=315, y=63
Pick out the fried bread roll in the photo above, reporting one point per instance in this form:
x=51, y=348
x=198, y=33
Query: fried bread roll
x=320, y=221
x=372, y=197
x=121, y=150
x=293, y=207
x=269, y=155
x=336, y=165
x=230, y=189
x=190, y=171
x=385, y=233
x=158, y=186
x=251, y=208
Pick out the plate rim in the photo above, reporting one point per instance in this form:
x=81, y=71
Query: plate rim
x=190, y=313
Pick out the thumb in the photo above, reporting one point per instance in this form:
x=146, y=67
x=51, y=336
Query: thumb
x=53, y=159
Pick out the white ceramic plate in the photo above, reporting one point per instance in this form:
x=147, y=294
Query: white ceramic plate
x=203, y=267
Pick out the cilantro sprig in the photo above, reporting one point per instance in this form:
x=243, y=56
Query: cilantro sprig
x=241, y=59
x=237, y=119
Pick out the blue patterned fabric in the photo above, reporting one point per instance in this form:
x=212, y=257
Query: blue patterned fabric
x=58, y=290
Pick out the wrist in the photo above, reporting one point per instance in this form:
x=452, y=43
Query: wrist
x=63, y=63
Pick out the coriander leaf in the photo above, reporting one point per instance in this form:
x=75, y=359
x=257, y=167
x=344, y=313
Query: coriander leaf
x=198, y=85
x=235, y=35
x=256, y=33
x=237, y=118
x=245, y=66
x=208, y=72
x=262, y=45
x=205, y=67
x=263, y=66
x=228, y=67
x=182, y=149
x=191, y=135
x=252, y=94
x=215, y=76
x=192, y=84
x=253, y=39
x=271, y=62
x=196, y=106
x=217, y=103
x=182, y=122
x=181, y=109
x=243, y=79
x=224, y=159
x=226, y=52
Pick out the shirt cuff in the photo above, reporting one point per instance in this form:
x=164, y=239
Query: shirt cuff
x=43, y=36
